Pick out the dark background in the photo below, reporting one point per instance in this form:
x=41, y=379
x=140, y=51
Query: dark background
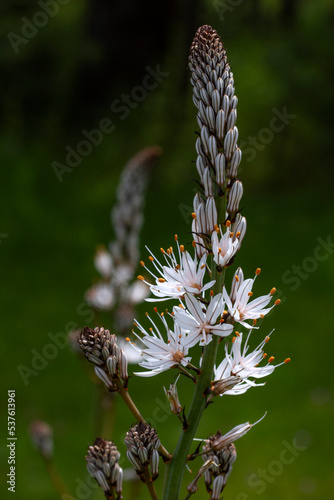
x=62, y=78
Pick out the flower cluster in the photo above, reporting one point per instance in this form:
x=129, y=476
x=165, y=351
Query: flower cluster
x=204, y=312
x=100, y=348
x=102, y=463
x=142, y=444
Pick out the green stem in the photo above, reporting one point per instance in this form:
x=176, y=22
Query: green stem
x=136, y=413
x=175, y=469
x=56, y=479
x=149, y=484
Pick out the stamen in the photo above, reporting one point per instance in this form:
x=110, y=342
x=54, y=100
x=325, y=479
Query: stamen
x=211, y=293
x=141, y=278
x=233, y=339
x=271, y=359
x=127, y=339
x=193, y=244
x=161, y=280
x=237, y=334
x=267, y=339
x=254, y=322
x=155, y=309
x=262, y=316
x=278, y=301
x=287, y=360
x=258, y=271
x=225, y=312
x=231, y=235
x=151, y=258
x=193, y=215
x=228, y=223
x=175, y=237
x=272, y=291
x=250, y=294
x=238, y=234
x=142, y=263
x=237, y=278
x=181, y=248
x=162, y=250
x=265, y=355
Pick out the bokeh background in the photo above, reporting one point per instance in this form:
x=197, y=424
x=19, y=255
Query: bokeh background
x=61, y=78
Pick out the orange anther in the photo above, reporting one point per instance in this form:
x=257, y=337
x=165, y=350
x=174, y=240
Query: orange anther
x=271, y=359
x=193, y=215
x=233, y=339
x=258, y=271
x=193, y=243
x=228, y=223
x=161, y=280
x=151, y=258
x=265, y=355
x=277, y=302
x=250, y=294
x=142, y=263
x=175, y=237
x=237, y=278
x=141, y=278
x=155, y=309
x=287, y=360
x=272, y=291
x=127, y=339
x=267, y=340
x=181, y=248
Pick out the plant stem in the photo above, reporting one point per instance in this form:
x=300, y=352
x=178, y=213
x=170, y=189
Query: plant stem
x=56, y=479
x=175, y=470
x=149, y=484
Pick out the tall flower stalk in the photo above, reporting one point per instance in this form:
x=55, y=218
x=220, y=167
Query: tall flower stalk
x=205, y=311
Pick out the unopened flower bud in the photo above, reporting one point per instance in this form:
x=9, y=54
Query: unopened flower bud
x=102, y=463
x=235, y=162
x=41, y=437
x=211, y=214
x=234, y=197
x=237, y=280
x=207, y=182
x=220, y=165
x=173, y=398
x=219, y=387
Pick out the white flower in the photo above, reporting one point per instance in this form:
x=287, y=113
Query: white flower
x=224, y=249
x=161, y=354
x=103, y=262
x=243, y=366
x=175, y=279
x=136, y=293
x=241, y=309
x=100, y=296
x=201, y=325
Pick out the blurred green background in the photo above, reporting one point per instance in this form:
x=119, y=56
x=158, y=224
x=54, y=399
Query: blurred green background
x=61, y=78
